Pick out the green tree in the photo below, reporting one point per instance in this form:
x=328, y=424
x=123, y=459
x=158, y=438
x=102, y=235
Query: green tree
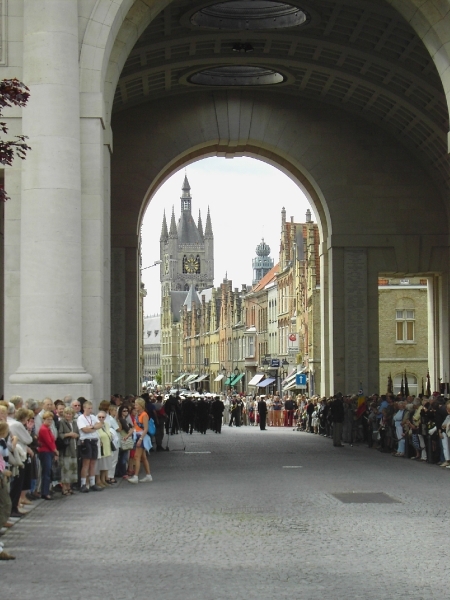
x=12, y=93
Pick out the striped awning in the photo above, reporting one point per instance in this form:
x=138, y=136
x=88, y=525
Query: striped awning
x=237, y=379
x=256, y=379
x=266, y=382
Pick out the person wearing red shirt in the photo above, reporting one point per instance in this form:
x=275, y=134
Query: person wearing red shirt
x=47, y=449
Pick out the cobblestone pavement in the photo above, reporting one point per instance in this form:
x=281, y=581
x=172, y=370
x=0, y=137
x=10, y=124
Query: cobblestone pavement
x=236, y=523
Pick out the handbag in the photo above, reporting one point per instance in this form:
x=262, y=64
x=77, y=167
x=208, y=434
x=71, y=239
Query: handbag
x=56, y=471
x=127, y=444
x=151, y=427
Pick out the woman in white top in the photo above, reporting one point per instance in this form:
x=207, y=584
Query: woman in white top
x=18, y=429
x=88, y=425
x=111, y=419
x=105, y=458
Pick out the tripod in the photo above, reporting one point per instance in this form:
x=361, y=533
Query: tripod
x=169, y=429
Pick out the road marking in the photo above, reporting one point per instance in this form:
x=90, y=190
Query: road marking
x=207, y=452
x=292, y=467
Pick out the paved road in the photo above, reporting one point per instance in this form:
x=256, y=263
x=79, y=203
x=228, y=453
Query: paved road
x=237, y=524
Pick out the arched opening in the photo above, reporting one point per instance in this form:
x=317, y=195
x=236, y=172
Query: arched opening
x=238, y=202
x=347, y=165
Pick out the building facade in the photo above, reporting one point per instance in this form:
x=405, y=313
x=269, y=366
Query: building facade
x=152, y=348
x=403, y=316
x=187, y=261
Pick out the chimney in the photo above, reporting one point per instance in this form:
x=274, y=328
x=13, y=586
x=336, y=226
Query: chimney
x=308, y=216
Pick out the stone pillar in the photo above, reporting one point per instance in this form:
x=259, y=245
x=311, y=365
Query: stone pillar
x=444, y=340
x=325, y=382
x=50, y=242
x=433, y=330
x=353, y=303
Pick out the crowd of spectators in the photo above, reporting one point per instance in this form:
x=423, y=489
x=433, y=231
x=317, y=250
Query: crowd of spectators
x=61, y=447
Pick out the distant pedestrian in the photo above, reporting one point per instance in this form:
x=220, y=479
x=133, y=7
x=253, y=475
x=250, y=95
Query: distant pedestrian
x=217, y=409
x=262, y=411
x=337, y=417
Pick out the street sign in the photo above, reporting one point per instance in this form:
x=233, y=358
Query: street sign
x=275, y=363
x=300, y=380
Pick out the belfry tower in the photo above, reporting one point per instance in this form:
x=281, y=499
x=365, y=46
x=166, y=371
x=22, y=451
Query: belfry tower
x=186, y=251
x=262, y=263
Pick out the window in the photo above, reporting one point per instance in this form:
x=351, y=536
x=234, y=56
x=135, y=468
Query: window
x=250, y=346
x=405, y=325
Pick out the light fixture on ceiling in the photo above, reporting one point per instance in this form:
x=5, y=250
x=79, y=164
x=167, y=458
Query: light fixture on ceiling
x=242, y=48
x=237, y=75
x=250, y=15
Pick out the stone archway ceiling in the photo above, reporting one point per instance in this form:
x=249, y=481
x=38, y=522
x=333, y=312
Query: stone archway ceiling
x=360, y=55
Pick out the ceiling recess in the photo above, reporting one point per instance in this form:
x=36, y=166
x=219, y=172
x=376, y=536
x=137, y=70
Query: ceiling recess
x=250, y=15
x=237, y=75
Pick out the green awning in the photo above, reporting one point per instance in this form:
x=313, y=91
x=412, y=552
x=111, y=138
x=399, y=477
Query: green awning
x=237, y=379
x=229, y=380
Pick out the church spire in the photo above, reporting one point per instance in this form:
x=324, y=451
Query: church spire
x=173, y=226
x=200, y=224
x=164, y=232
x=185, y=198
x=208, y=227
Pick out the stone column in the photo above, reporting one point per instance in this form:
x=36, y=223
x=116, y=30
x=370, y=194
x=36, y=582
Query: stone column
x=325, y=340
x=444, y=363
x=353, y=302
x=50, y=245
x=433, y=330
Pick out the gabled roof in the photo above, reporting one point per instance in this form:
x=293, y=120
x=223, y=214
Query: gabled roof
x=176, y=303
x=152, y=330
x=268, y=277
x=192, y=298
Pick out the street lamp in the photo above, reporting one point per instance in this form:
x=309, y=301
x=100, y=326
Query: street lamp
x=157, y=262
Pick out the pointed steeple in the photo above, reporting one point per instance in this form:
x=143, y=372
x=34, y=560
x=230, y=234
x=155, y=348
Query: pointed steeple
x=192, y=299
x=186, y=196
x=173, y=226
x=164, y=232
x=200, y=224
x=208, y=227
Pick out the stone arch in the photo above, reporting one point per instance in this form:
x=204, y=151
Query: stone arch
x=371, y=196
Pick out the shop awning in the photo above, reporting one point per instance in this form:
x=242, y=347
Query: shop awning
x=229, y=380
x=290, y=386
x=288, y=381
x=266, y=382
x=237, y=379
x=219, y=377
x=191, y=378
x=256, y=379
x=201, y=378
x=180, y=377
x=288, y=378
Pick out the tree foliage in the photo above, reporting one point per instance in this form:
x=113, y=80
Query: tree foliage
x=12, y=93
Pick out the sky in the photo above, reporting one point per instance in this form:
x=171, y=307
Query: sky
x=245, y=197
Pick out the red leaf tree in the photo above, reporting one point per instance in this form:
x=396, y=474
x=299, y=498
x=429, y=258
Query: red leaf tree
x=12, y=93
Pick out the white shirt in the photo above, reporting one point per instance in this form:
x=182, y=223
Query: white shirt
x=87, y=421
x=114, y=426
